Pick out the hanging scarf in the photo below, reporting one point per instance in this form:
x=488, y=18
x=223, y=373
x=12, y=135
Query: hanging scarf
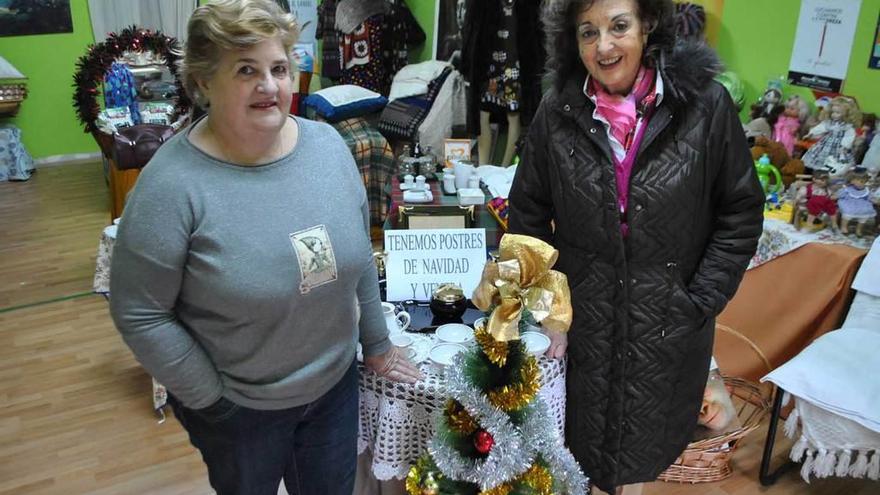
x=621, y=112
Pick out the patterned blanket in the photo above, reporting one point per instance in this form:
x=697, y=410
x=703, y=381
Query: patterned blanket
x=374, y=159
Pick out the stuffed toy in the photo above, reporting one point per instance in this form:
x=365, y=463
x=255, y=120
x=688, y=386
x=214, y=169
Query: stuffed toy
x=836, y=132
x=779, y=157
x=771, y=101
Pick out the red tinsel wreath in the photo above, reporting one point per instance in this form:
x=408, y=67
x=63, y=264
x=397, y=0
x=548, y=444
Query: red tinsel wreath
x=90, y=68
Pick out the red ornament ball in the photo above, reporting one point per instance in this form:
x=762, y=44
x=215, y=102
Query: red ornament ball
x=483, y=441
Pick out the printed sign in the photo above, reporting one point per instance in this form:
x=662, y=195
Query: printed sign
x=823, y=43
x=875, y=48
x=420, y=260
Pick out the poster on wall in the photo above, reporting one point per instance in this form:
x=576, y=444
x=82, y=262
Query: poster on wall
x=823, y=43
x=24, y=17
x=306, y=12
x=448, y=23
x=875, y=49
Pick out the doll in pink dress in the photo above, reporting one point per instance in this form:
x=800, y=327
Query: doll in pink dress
x=789, y=123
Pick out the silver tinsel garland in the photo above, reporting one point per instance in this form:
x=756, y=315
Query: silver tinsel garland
x=515, y=449
x=540, y=433
x=509, y=456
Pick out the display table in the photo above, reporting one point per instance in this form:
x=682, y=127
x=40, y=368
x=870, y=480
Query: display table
x=482, y=217
x=796, y=289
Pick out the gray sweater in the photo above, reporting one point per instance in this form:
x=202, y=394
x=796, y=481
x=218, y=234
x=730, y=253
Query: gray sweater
x=251, y=283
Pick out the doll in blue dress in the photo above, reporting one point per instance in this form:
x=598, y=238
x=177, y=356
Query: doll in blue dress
x=855, y=202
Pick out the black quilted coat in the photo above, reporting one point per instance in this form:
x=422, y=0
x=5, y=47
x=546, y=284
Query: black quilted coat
x=644, y=306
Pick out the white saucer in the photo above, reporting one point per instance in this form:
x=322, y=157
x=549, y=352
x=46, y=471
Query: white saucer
x=417, y=196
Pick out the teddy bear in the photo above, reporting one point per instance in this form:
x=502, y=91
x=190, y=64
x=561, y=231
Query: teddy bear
x=789, y=167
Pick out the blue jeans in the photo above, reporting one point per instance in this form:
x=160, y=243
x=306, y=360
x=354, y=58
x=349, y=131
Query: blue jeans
x=313, y=447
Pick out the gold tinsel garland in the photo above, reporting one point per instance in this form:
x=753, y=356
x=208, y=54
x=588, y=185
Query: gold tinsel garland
x=458, y=418
x=495, y=350
x=537, y=477
x=518, y=395
x=420, y=477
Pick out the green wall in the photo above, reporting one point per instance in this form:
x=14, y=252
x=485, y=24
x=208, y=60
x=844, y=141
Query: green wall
x=423, y=10
x=757, y=47
x=47, y=119
x=757, y=37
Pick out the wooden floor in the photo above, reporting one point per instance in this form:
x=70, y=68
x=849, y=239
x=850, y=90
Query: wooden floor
x=75, y=407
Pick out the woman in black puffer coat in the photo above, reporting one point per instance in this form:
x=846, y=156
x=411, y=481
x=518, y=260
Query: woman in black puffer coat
x=637, y=170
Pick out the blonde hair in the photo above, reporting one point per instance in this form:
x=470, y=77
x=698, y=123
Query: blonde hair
x=224, y=25
x=851, y=113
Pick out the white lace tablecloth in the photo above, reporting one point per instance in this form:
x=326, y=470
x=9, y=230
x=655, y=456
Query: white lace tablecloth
x=781, y=237
x=397, y=420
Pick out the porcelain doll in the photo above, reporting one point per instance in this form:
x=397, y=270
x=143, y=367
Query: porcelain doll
x=836, y=133
x=854, y=202
x=817, y=198
x=789, y=123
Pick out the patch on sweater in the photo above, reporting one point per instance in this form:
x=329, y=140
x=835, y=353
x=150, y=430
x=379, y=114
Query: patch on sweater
x=317, y=263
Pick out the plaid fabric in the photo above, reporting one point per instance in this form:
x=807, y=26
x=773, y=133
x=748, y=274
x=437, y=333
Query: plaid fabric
x=401, y=118
x=374, y=159
x=331, y=66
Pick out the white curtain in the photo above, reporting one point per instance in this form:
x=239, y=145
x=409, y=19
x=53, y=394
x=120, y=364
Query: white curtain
x=168, y=16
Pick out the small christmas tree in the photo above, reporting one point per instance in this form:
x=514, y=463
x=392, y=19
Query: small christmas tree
x=495, y=436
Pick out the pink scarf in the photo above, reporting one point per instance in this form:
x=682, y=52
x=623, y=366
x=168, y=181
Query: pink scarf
x=621, y=111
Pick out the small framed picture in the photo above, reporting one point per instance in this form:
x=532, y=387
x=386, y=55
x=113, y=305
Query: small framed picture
x=456, y=149
x=435, y=217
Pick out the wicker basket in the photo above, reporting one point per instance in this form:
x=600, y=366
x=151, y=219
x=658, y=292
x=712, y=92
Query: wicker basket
x=708, y=460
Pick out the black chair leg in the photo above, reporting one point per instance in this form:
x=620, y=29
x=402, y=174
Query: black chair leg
x=767, y=478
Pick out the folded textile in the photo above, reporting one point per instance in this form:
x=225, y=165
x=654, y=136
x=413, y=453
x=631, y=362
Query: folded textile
x=837, y=373
x=414, y=79
x=864, y=312
x=497, y=179
x=831, y=445
x=868, y=277
x=402, y=117
x=448, y=112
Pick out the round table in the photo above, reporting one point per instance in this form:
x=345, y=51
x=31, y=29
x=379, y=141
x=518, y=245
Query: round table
x=397, y=419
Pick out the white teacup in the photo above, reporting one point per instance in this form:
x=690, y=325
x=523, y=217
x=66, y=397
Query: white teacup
x=403, y=342
x=396, y=323
x=463, y=170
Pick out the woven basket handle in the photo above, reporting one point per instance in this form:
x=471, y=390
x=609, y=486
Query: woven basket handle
x=758, y=351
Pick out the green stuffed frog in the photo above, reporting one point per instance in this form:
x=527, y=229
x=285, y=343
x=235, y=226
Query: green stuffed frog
x=764, y=169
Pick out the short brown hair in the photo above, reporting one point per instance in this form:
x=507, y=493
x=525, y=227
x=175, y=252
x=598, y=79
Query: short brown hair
x=559, y=18
x=223, y=25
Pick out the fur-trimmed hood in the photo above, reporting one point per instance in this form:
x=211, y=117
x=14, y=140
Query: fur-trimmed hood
x=688, y=68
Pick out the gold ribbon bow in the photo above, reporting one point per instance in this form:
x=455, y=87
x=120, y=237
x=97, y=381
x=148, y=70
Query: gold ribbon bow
x=522, y=279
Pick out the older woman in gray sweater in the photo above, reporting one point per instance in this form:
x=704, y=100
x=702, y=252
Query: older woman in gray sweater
x=242, y=273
